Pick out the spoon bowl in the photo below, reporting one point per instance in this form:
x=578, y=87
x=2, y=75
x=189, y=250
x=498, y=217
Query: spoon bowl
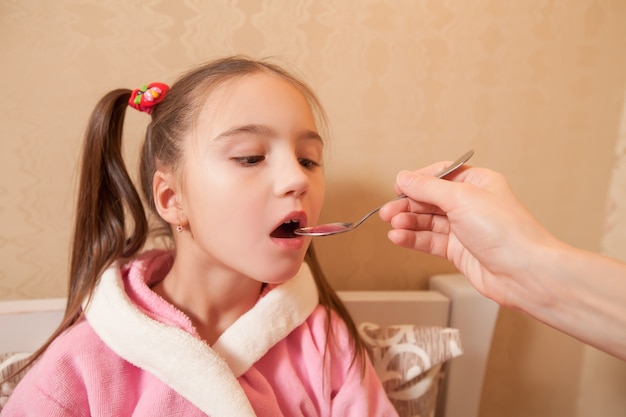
x=343, y=227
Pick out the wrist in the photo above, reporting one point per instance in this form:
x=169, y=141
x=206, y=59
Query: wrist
x=536, y=282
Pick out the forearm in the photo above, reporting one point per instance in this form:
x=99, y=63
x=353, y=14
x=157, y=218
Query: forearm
x=580, y=293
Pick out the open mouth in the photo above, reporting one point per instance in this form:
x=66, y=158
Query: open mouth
x=286, y=230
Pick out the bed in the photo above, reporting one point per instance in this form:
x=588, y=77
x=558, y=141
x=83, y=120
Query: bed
x=449, y=309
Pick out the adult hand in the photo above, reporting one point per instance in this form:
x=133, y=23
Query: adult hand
x=471, y=218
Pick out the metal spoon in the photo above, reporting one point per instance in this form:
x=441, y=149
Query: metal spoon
x=335, y=228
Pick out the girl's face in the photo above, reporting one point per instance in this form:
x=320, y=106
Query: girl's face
x=251, y=176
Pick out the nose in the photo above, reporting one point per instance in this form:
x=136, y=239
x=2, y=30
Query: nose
x=291, y=179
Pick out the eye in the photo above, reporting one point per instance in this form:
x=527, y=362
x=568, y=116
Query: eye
x=308, y=163
x=249, y=161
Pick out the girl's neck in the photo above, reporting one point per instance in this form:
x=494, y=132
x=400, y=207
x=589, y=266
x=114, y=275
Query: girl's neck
x=212, y=301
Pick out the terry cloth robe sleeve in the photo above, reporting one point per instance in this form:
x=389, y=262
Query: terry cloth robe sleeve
x=51, y=388
x=79, y=376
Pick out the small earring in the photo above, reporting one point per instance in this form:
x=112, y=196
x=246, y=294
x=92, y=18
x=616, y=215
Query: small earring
x=179, y=228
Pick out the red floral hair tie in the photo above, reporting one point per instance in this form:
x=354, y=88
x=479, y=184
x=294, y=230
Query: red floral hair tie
x=146, y=97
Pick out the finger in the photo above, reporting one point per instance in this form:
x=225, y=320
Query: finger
x=427, y=190
x=421, y=222
x=426, y=242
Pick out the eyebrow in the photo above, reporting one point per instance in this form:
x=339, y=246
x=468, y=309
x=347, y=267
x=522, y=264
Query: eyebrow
x=263, y=130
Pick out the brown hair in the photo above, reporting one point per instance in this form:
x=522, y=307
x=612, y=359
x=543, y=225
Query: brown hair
x=111, y=222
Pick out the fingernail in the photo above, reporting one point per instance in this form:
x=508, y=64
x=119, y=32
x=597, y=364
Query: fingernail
x=404, y=178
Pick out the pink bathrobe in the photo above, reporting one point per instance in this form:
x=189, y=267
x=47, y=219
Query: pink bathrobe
x=137, y=355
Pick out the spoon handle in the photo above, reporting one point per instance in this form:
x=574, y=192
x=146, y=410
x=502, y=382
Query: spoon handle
x=453, y=166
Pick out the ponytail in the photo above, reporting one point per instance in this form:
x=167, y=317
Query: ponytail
x=105, y=195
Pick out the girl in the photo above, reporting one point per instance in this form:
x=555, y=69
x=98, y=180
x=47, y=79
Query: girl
x=231, y=322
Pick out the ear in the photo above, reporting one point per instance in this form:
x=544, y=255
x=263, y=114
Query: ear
x=166, y=197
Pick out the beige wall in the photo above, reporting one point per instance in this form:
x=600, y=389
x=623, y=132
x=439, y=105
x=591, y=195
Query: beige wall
x=534, y=86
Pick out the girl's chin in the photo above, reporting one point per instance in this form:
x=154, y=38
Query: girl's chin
x=282, y=274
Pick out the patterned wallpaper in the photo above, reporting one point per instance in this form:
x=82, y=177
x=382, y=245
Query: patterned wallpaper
x=534, y=86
